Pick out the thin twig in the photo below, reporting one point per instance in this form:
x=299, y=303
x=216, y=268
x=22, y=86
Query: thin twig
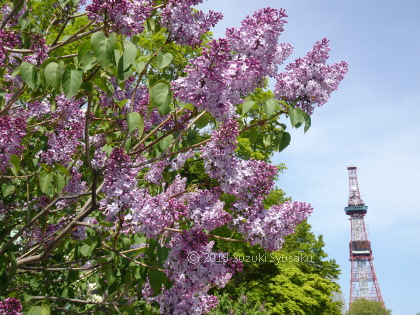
x=211, y=235
x=55, y=298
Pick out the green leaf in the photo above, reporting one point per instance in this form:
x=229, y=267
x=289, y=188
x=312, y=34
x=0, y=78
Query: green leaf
x=84, y=48
x=122, y=103
x=87, y=87
x=45, y=182
x=160, y=95
x=152, y=25
x=139, y=239
x=88, y=61
x=156, y=278
x=62, y=169
x=270, y=106
x=296, y=117
x=127, y=144
x=35, y=310
x=126, y=60
x=162, y=253
x=135, y=120
x=267, y=140
x=13, y=265
x=103, y=47
x=7, y=189
x=246, y=106
x=53, y=73
x=164, y=60
x=284, y=140
x=307, y=121
x=72, y=80
x=45, y=309
x=165, y=142
x=15, y=160
x=129, y=55
x=85, y=250
x=253, y=135
x=126, y=243
x=202, y=122
x=60, y=182
x=26, y=297
x=139, y=66
x=29, y=74
x=187, y=106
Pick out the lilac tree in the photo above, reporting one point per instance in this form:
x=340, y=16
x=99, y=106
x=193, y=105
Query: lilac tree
x=99, y=116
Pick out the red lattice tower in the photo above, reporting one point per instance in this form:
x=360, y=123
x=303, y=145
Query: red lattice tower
x=363, y=281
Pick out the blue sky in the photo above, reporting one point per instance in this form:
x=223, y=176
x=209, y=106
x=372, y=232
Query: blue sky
x=374, y=116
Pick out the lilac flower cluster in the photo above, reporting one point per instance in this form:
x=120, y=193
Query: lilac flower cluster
x=218, y=152
x=6, y=10
x=179, y=301
x=7, y=40
x=40, y=50
x=63, y=145
x=205, y=209
x=215, y=82
x=76, y=185
x=258, y=37
x=124, y=16
x=12, y=131
x=249, y=182
x=193, y=278
x=10, y=306
x=179, y=161
x=269, y=227
x=233, y=67
x=152, y=214
x=185, y=24
x=252, y=185
x=310, y=80
x=69, y=130
x=155, y=173
x=120, y=184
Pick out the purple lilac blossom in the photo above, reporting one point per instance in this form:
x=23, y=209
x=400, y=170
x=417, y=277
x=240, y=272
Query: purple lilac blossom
x=152, y=214
x=10, y=306
x=7, y=40
x=185, y=24
x=179, y=161
x=215, y=82
x=120, y=184
x=233, y=67
x=179, y=301
x=310, y=80
x=250, y=182
x=258, y=38
x=6, y=9
x=69, y=130
x=12, y=131
x=192, y=278
x=205, y=209
x=124, y=16
x=269, y=227
x=39, y=48
x=155, y=173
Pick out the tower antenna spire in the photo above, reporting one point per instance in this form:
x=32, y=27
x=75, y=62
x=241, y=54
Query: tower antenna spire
x=363, y=281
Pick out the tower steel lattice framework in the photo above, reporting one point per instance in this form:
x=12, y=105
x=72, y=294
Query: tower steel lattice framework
x=363, y=281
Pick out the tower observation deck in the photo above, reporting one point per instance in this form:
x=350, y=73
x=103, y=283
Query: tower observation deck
x=363, y=281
